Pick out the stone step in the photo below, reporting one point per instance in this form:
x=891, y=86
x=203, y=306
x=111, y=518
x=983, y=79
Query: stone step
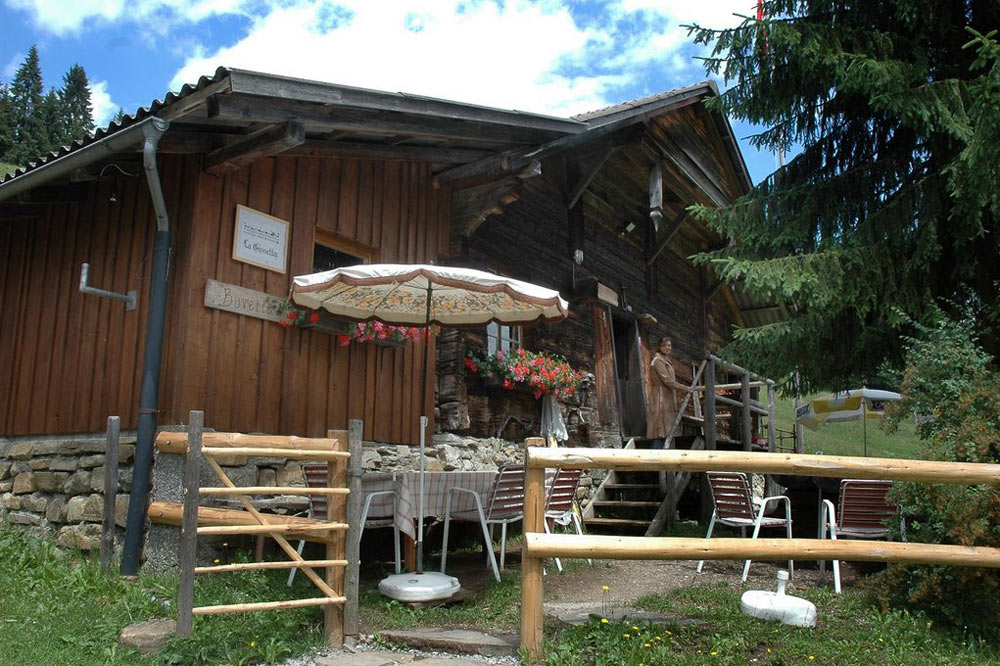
x=454, y=640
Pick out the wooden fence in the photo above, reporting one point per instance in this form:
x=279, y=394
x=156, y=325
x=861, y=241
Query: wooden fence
x=537, y=545
x=338, y=586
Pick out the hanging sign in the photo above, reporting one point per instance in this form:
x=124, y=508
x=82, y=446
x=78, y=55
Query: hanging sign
x=260, y=239
x=242, y=301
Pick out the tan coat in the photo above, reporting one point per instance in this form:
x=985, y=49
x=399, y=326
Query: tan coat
x=663, y=398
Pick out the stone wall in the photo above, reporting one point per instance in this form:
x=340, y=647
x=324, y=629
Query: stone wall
x=56, y=487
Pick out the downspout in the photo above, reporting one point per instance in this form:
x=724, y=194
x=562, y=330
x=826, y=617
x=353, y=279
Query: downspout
x=149, y=394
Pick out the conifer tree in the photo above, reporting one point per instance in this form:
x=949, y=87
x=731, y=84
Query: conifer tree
x=77, y=111
x=892, y=205
x=52, y=113
x=6, y=123
x=30, y=135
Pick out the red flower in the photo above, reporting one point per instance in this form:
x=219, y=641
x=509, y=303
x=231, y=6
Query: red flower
x=292, y=315
x=314, y=318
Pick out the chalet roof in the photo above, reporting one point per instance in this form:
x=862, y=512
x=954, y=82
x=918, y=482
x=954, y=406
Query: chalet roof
x=609, y=112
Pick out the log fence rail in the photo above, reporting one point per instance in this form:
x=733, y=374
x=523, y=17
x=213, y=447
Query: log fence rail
x=537, y=545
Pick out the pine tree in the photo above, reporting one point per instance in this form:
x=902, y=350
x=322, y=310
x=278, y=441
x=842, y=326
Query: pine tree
x=77, y=110
x=6, y=124
x=30, y=136
x=892, y=205
x=54, y=123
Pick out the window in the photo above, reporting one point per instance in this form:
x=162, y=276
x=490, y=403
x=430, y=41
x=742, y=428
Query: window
x=331, y=252
x=502, y=338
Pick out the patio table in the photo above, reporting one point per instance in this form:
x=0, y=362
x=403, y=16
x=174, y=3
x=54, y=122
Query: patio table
x=436, y=487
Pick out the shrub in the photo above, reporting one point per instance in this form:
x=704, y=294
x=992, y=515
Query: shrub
x=950, y=385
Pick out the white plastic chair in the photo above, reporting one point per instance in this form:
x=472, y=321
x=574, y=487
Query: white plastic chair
x=734, y=507
x=506, y=506
x=315, y=475
x=863, y=513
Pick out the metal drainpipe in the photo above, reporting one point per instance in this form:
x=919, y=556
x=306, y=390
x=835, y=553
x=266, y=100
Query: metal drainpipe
x=149, y=394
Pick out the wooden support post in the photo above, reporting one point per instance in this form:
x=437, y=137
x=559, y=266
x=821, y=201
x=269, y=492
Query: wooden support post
x=333, y=614
x=705, y=492
x=531, y=567
x=800, y=441
x=110, y=492
x=772, y=423
x=745, y=399
x=355, y=429
x=189, y=524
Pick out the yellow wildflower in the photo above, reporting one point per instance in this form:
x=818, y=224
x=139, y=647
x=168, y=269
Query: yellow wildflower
x=811, y=657
x=253, y=643
x=626, y=636
x=215, y=561
x=604, y=620
x=635, y=628
x=604, y=588
x=646, y=645
x=714, y=653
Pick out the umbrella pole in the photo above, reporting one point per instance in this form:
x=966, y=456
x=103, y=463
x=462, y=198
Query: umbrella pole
x=423, y=434
x=864, y=419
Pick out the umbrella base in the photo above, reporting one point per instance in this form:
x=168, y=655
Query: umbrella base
x=427, y=586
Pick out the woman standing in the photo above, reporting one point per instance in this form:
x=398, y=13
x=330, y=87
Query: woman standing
x=663, y=395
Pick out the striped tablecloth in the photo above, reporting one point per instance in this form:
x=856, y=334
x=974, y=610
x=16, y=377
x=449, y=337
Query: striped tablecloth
x=436, y=487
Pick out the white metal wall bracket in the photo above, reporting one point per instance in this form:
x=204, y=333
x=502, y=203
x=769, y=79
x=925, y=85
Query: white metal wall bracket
x=128, y=298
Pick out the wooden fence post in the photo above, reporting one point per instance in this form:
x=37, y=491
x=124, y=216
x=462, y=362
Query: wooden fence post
x=110, y=492
x=532, y=594
x=746, y=418
x=772, y=423
x=189, y=524
x=333, y=615
x=352, y=621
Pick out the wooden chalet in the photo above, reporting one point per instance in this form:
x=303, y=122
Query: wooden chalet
x=593, y=206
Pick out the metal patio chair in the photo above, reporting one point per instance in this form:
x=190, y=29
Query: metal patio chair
x=506, y=505
x=863, y=512
x=315, y=475
x=734, y=506
x=560, y=503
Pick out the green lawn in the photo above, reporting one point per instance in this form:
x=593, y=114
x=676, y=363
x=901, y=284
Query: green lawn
x=6, y=168
x=847, y=439
x=58, y=609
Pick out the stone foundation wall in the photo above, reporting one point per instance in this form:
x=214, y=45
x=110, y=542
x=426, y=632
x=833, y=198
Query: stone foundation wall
x=56, y=487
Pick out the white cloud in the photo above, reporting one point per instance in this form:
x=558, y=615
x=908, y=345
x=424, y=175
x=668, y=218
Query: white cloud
x=104, y=109
x=507, y=56
x=10, y=69
x=708, y=13
x=61, y=17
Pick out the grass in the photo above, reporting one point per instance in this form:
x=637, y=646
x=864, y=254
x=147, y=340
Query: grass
x=847, y=439
x=56, y=608
x=60, y=609
x=851, y=631
x=6, y=168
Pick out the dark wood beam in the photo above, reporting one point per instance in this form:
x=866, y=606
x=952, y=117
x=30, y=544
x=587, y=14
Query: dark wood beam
x=512, y=160
x=239, y=108
x=668, y=234
x=587, y=174
x=689, y=168
x=380, y=151
x=265, y=143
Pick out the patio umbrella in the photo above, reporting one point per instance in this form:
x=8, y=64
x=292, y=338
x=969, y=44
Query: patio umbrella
x=863, y=403
x=425, y=295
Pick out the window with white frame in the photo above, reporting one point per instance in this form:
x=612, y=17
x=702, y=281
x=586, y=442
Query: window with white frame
x=502, y=338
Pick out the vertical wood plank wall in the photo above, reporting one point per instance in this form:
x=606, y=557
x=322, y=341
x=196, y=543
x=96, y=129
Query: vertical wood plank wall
x=252, y=375
x=68, y=360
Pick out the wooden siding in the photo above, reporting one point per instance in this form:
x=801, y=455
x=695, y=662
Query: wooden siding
x=251, y=375
x=69, y=360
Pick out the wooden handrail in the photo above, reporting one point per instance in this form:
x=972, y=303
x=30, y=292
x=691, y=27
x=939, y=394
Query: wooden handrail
x=536, y=545
x=894, y=469
x=675, y=548
x=176, y=442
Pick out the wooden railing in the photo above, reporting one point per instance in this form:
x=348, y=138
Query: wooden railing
x=537, y=545
x=338, y=586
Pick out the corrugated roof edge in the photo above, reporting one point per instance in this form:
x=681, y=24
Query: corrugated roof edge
x=130, y=119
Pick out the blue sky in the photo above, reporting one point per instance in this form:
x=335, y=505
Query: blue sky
x=558, y=57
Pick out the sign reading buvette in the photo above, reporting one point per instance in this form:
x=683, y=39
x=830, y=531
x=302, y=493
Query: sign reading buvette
x=240, y=300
